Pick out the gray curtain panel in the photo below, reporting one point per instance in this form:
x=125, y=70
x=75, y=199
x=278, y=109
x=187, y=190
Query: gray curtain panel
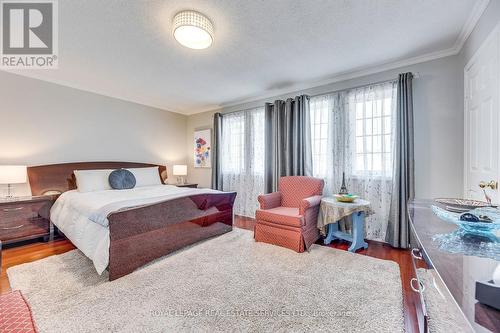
x=287, y=140
x=216, y=153
x=403, y=190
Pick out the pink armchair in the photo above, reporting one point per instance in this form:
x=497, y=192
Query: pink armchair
x=288, y=218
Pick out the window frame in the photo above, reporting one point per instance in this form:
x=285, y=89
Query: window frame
x=385, y=151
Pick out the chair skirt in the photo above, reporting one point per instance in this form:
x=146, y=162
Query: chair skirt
x=296, y=239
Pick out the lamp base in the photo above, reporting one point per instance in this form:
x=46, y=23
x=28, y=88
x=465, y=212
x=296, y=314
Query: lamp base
x=181, y=180
x=9, y=195
x=9, y=198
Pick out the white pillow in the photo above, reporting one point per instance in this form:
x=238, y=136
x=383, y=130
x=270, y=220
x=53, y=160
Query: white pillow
x=92, y=180
x=146, y=176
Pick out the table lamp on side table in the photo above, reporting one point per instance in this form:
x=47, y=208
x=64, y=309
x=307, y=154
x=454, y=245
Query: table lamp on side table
x=180, y=171
x=12, y=174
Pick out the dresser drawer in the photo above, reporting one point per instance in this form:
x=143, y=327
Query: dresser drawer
x=18, y=230
x=12, y=224
x=416, y=285
x=14, y=211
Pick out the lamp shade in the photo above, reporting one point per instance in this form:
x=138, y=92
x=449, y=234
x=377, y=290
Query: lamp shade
x=13, y=174
x=180, y=170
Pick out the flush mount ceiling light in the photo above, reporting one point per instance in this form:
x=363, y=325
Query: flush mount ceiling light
x=193, y=30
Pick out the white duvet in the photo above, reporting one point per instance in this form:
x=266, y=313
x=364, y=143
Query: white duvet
x=82, y=217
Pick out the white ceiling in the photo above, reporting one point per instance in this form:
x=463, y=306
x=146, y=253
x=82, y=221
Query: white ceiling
x=125, y=49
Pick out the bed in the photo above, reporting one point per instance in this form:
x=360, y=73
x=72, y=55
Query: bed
x=121, y=230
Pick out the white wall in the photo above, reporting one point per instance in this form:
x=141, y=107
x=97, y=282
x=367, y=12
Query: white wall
x=45, y=123
x=438, y=106
x=438, y=114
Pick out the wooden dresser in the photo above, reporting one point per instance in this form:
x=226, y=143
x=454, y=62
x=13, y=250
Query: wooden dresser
x=449, y=277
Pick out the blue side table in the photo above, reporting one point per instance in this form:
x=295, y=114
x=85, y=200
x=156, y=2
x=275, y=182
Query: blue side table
x=333, y=211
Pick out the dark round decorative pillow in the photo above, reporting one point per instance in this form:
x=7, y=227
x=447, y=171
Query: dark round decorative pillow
x=121, y=179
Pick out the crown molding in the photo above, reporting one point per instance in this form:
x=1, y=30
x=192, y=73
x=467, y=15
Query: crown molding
x=467, y=29
x=470, y=24
x=343, y=76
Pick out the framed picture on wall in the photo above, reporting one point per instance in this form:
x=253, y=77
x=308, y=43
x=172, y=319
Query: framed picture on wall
x=202, y=148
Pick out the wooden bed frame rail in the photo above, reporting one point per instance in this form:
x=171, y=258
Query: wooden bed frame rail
x=143, y=234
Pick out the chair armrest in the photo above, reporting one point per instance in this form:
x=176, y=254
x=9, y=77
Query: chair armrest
x=307, y=203
x=270, y=200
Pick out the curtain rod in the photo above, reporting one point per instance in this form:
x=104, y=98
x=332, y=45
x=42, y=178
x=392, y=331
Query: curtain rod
x=356, y=87
x=240, y=110
x=416, y=75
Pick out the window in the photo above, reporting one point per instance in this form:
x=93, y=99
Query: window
x=352, y=134
x=233, y=142
x=352, y=131
x=373, y=132
x=320, y=108
x=243, y=142
x=242, y=158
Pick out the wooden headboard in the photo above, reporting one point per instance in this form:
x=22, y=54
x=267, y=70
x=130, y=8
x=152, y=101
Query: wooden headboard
x=59, y=177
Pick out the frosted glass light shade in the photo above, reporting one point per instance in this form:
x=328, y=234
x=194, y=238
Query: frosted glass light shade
x=180, y=170
x=13, y=174
x=192, y=29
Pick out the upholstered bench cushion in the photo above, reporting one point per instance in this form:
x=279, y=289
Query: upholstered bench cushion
x=15, y=314
x=281, y=215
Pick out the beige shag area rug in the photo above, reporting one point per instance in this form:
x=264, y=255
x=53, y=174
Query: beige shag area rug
x=229, y=283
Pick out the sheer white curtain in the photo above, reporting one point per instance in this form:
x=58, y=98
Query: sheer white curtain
x=352, y=132
x=242, y=158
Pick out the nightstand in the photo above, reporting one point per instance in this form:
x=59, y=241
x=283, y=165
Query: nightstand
x=187, y=185
x=25, y=218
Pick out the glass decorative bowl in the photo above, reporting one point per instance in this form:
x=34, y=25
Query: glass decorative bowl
x=461, y=205
x=473, y=227
x=346, y=197
x=481, y=239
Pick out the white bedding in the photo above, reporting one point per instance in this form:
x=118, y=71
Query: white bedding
x=82, y=217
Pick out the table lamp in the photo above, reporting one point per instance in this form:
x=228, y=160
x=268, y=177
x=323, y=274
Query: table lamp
x=180, y=171
x=12, y=174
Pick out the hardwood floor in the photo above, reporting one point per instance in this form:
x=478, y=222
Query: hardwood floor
x=35, y=251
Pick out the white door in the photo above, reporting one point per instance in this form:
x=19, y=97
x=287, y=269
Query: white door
x=482, y=120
